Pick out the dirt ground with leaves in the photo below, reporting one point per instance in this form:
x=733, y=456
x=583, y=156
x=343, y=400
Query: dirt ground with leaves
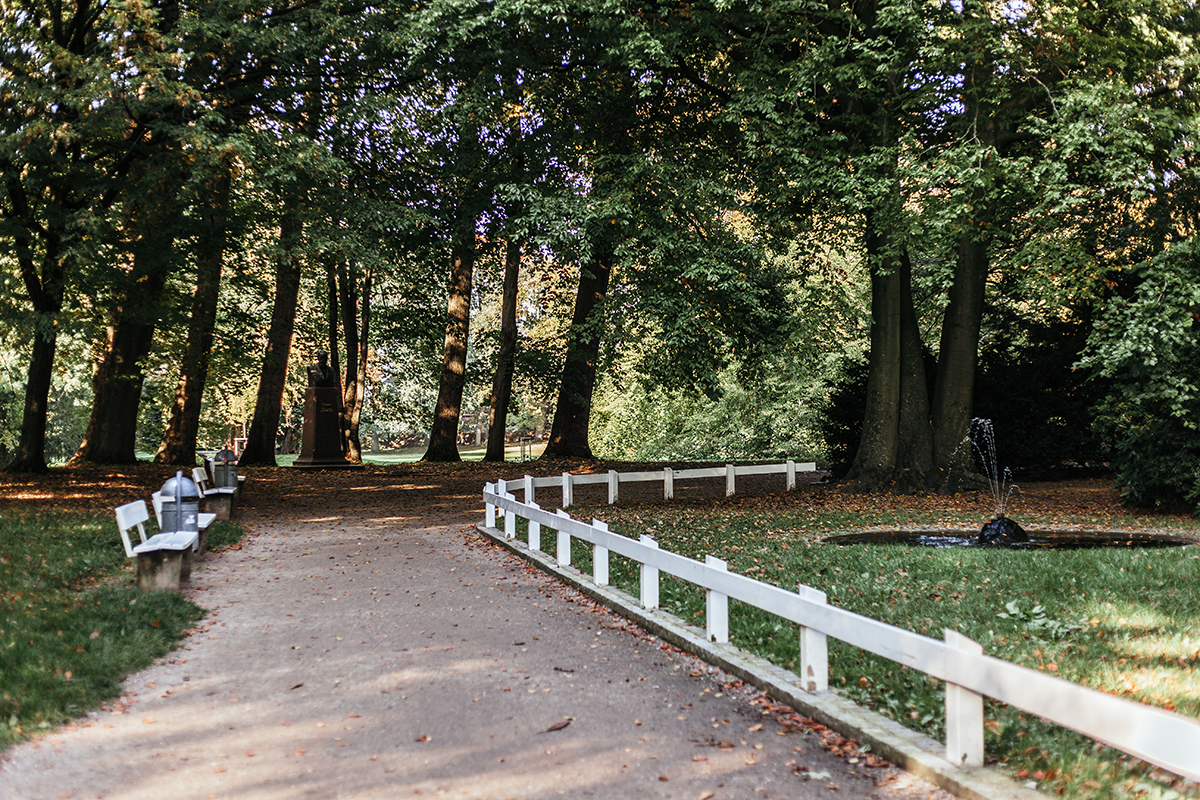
x=365, y=641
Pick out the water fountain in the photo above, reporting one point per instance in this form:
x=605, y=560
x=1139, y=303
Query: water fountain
x=1001, y=531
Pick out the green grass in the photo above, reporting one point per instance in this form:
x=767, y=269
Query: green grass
x=72, y=622
x=411, y=455
x=1119, y=620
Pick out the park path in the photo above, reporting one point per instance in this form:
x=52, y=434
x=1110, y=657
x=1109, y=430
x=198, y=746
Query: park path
x=366, y=642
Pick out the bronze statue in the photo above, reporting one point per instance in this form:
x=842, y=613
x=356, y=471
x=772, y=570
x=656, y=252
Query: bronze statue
x=320, y=373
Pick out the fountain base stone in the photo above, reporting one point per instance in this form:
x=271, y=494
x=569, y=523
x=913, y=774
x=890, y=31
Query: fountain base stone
x=1037, y=539
x=1002, y=532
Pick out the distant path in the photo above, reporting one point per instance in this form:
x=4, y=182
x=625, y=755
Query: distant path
x=367, y=643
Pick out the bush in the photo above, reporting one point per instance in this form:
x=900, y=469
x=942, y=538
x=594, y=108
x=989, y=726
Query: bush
x=1148, y=346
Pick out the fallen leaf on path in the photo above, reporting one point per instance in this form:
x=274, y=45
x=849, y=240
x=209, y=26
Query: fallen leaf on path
x=558, y=726
x=423, y=738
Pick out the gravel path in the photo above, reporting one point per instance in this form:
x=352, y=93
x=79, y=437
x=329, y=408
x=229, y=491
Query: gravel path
x=366, y=642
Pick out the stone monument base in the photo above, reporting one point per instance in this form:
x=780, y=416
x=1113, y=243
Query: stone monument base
x=321, y=444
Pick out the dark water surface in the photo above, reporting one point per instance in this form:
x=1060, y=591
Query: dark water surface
x=1038, y=539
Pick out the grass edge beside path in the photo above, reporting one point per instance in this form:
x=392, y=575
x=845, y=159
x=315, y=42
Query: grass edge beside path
x=73, y=624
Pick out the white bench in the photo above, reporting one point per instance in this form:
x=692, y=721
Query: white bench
x=163, y=560
x=210, y=468
x=218, y=499
x=203, y=520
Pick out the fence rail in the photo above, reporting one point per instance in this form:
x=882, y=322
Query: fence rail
x=568, y=481
x=1163, y=738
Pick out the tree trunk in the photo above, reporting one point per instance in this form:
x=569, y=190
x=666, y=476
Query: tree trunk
x=178, y=445
x=46, y=292
x=569, y=431
x=117, y=379
x=331, y=286
x=958, y=357
x=502, y=380
x=896, y=449
x=443, y=436
x=915, y=454
x=117, y=376
x=356, y=356
x=264, y=425
x=876, y=459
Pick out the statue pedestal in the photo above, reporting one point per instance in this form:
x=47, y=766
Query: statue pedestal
x=321, y=445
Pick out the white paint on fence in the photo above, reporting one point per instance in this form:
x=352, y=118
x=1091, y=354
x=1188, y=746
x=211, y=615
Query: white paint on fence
x=814, y=648
x=1163, y=738
x=568, y=481
x=716, y=606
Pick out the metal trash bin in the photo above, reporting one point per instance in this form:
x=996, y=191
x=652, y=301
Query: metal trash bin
x=180, y=505
x=224, y=469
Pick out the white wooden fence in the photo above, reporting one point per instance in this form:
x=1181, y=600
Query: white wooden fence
x=668, y=476
x=1163, y=738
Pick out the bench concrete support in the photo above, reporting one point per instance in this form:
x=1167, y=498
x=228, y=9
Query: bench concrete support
x=163, y=570
x=219, y=503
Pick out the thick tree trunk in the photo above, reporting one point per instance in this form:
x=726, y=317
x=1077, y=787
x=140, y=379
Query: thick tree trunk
x=46, y=291
x=569, y=431
x=958, y=357
x=264, y=425
x=117, y=379
x=503, y=378
x=178, y=445
x=876, y=459
x=915, y=455
x=117, y=375
x=896, y=449
x=443, y=436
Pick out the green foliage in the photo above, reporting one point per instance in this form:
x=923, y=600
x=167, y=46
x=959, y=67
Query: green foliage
x=71, y=624
x=1148, y=346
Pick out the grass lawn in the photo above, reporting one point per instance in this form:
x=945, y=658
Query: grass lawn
x=411, y=455
x=72, y=622
x=1123, y=621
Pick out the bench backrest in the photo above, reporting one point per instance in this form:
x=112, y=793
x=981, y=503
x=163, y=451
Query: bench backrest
x=132, y=515
x=201, y=479
x=157, y=500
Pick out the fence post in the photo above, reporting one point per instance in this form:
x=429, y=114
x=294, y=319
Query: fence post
x=600, y=557
x=730, y=479
x=510, y=521
x=668, y=483
x=568, y=487
x=648, y=577
x=791, y=475
x=528, y=488
x=716, y=606
x=614, y=480
x=814, y=648
x=535, y=531
x=964, y=712
x=489, y=509
x=564, y=542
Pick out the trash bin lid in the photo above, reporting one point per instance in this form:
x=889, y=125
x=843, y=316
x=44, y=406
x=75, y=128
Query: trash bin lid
x=225, y=457
x=187, y=489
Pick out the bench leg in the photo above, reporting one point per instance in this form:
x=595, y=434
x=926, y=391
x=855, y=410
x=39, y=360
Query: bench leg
x=161, y=570
x=219, y=504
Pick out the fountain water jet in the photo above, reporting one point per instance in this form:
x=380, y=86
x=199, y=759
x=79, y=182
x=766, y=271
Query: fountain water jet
x=1000, y=531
